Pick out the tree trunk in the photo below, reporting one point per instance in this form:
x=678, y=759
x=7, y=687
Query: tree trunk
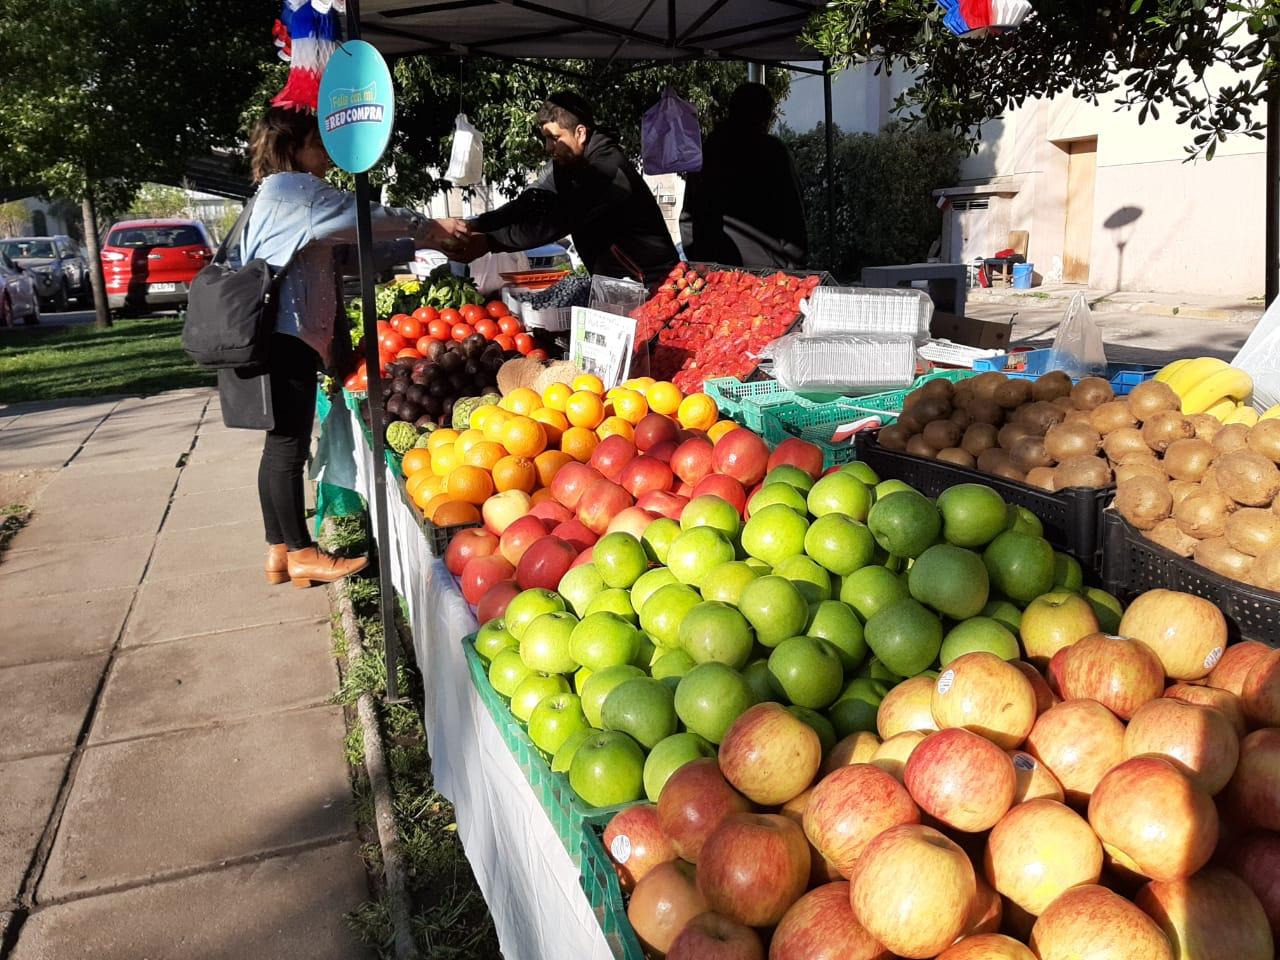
x=90, y=214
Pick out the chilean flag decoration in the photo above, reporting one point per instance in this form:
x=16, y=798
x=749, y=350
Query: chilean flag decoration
x=980, y=18
x=306, y=35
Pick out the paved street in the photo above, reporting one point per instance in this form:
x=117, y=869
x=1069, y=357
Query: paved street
x=174, y=780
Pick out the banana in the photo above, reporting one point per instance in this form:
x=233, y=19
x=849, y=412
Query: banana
x=1168, y=371
x=1223, y=408
x=1192, y=373
x=1245, y=414
x=1272, y=413
x=1228, y=382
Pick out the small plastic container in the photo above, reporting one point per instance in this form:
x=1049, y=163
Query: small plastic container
x=889, y=312
x=842, y=364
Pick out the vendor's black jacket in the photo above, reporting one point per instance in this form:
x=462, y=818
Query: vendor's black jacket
x=744, y=208
x=602, y=203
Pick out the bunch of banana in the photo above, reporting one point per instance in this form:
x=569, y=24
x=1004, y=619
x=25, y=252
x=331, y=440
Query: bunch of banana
x=1212, y=386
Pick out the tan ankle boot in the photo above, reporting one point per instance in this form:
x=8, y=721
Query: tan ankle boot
x=310, y=566
x=277, y=567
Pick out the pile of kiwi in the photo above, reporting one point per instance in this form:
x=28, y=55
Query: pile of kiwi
x=1214, y=497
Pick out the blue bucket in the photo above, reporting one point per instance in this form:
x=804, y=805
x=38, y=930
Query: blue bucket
x=1022, y=274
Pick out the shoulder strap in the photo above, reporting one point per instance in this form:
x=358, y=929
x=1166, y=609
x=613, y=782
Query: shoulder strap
x=233, y=236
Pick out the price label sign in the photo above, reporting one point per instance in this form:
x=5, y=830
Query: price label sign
x=601, y=343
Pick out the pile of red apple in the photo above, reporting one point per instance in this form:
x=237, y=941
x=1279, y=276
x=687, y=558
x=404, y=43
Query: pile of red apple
x=1118, y=799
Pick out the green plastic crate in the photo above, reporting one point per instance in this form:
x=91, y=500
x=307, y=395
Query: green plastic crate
x=600, y=884
x=747, y=403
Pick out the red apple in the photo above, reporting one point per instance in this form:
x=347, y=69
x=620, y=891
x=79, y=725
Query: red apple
x=821, y=870
x=493, y=603
x=472, y=542
x=742, y=455
x=654, y=429
x=1211, y=916
x=913, y=890
x=797, y=453
x=821, y=926
x=1120, y=673
x=645, y=474
x=1053, y=672
x=551, y=513
x=481, y=573
x=770, y=754
x=611, y=455
x=1035, y=781
x=1038, y=850
x=1256, y=860
x=663, y=451
x=851, y=807
x=691, y=460
x=635, y=841
x=892, y=755
x=908, y=706
x=1198, y=739
x=1254, y=791
x=575, y=534
x=1154, y=819
x=1079, y=741
x=986, y=911
x=710, y=936
x=1044, y=696
x=1187, y=634
x=662, y=503
x=585, y=557
x=1237, y=660
x=570, y=481
x=632, y=520
x=857, y=747
x=1228, y=704
x=1260, y=694
x=503, y=509
x=663, y=903
x=1091, y=921
x=753, y=867
x=986, y=695
x=684, y=490
x=544, y=563
x=726, y=488
x=987, y=946
x=519, y=537
x=960, y=778
x=693, y=802
x=600, y=503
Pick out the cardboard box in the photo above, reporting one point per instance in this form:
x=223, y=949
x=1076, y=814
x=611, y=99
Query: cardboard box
x=983, y=334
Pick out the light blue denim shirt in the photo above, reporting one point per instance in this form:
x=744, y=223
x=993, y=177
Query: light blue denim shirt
x=302, y=217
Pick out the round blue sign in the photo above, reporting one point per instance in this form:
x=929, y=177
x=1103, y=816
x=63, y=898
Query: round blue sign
x=356, y=107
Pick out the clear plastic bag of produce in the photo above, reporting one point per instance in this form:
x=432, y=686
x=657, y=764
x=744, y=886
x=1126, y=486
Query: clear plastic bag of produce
x=466, y=157
x=860, y=311
x=1260, y=358
x=1078, y=349
x=842, y=364
x=616, y=296
x=670, y=136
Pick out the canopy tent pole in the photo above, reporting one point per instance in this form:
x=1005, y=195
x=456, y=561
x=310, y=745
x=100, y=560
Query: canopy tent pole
x=829, y=170
x=1273, y=189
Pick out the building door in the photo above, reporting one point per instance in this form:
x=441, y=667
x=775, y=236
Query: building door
x=1078, y=241
x=969, y=231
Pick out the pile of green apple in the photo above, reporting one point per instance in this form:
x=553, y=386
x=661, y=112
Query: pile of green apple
x=834, y=590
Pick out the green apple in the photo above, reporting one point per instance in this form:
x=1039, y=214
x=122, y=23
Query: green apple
x=715, y=631
x=775, y=608
x=697, y=552
x=645, y=652
x=613, y=600
x=840, y=544
x=668, y=757
x=564, y=756
x=658, y=537
x=492, y=639
x=527, y=606
x=545, y=645
x=791, y=475
x=840, y=492
x=643, y=708
x=620, y=558
x=603, y=640
x=644, y=588
x=710, y=697
x=836, y=623
x=979, y=634
x=533, y=690
x=607, y=769
x=661, y=614
x=757, y=564
x=711, y=511
x=863, y=472
x=876, y=670
x=1010, y=617
x=771, y=493
x=506, y=672
x=1108, y=609
x=856, y=708
x=871, y=589
x=599, y=685
x=1023, y=521
x=812, y=580
x=808, y=671
x=886, y=487
x=554, y=720
x=1067, y=574
x=726, y=581
x=580, y=677
x=579, y=587
x=760, y=680
x=774, y=533
x=823, y=727
x=671, y=663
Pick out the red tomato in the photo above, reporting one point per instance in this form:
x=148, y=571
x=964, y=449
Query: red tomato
x=524, y=343
x=510, y=325
x=411, y=329
x=383, y=326
x=424, y=343
x=425, y=314
x=391, y=342
x=505, y=341
x=352, y=382
x=487, y=328
x=471, y=312
x=410, y=353
x=461, y=331
x=362, y=380
x=539, y=354
x=450, y=316
x=398, y=319
x=496, y=309
x=439, y=328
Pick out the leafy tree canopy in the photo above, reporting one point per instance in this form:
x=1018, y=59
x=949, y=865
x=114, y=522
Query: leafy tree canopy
x=1144, y=53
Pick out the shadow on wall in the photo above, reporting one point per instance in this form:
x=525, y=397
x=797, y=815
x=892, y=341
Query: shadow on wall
x=1121, y=227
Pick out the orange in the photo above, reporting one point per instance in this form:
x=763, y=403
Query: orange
x=579, y=443
x=720, y=428
x=484, y=454
x=521, y=400
x=554, y=423
x=524, y=437
x=416, y=480
x=555, y=396
x=444, y=460
x=630, y=405
x=664, y=398
x=480, y=415
x=515, y=473
x=431, y=486
x=548, y=464
x=697, y=412
x=440, y=438
x=589, y=382
x=419, y=458
x=494, y=423
x=540, y=495
x=640, y=383
x=472, y=484
x=584, y=409
x=616, y=426
x=433, y=504
x=453, y=512
x=468, y=439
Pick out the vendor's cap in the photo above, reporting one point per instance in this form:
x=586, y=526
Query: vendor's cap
x=569, y=102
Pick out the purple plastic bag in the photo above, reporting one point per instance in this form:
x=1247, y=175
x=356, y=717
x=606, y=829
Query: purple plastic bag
x=670, y=136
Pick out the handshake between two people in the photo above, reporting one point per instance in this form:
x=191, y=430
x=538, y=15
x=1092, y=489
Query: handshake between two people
x=455, y=238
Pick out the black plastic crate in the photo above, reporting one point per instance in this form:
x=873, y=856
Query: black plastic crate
x=1072, y=518
x=1132, y=564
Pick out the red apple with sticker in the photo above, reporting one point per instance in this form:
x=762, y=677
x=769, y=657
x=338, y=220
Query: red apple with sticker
x=1120, y=673
x=636, y=843
x=1188, y=634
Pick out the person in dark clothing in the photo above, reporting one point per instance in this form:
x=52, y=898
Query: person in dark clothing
x=590, y=191
x=744, y=208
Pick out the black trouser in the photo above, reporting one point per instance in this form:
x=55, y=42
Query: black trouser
x=284, y=454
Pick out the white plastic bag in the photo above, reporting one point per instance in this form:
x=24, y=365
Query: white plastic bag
x=670, y=136
x=1078, y=349
x=842, y=364
x=487, y=271
x=466, y=159
x=1260, y=358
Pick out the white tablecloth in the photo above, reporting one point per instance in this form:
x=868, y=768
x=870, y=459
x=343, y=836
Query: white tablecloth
x=524, y=872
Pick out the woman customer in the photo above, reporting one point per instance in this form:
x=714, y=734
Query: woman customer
x=301, y=224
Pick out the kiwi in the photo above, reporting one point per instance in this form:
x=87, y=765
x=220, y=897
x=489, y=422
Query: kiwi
x=979, y=437
x=1209, y=484
x=1041, y=477
x=1264, y=439
x=961, y=417
x=941, y=434
x=1091, y=393
x=1163, y=428
x=962, y=394
x=1012, y=394
x=1149, y=398
x=958, y=456
x=1082, y=471
x=1265, y=572
x=1141, y=468
x=1205, y=425
x=912, y=421
x=1181, y=489
x=1029, y=452
x=1067, y=440
x=1145, y=455
x=1144, y=501
x=1189, y=459
x=1253, y=531
x=930, y=408
x=1063, y=403
x=1233, y=436
x=990, y=460
x=918, y=446
x=1167, y=534
x=985, y=410
x=1248, y=478
x=1117, y=443
x=1220, y=557
x=986, y=384
x=1079, y=416
x=894, y=437
x=1010, y=472
x=1203, y=516
x=1011, y=433
x=1051, y=386
x=940, y=389
x=1111, y=416
x=1039, y=416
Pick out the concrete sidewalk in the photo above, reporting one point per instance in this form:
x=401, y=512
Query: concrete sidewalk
x=173, y=775
x=1184, y=306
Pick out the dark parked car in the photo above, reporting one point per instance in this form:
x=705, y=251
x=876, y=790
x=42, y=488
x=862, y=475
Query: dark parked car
x=56, y=265
x=151, y=263
x=18, y=298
